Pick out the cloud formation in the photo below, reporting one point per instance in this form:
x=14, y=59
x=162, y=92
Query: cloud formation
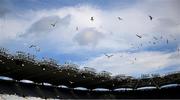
x=135, y=63
x=88, y=36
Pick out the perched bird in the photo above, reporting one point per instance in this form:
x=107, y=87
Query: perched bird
x=92, y=18
x=139, y=36
x=150, y=17
x=120, y=18
x=108, y=56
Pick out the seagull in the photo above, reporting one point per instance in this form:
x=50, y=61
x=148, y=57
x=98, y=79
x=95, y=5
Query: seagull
x=138, y=36
x=77, y=28
x=155, y=38
x=178, y=49
x=36, y=48
x=92, y=18
x=71, y=82
x=161, y=37
x=120, y=18
x=53, y=25
x=141, y=44
x=31, y=46
x=150, y=17
x=108, y=56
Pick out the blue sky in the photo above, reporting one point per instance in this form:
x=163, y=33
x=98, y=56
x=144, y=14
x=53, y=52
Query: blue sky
x=27, y=22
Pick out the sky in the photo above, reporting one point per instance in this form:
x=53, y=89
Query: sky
x=63, y=30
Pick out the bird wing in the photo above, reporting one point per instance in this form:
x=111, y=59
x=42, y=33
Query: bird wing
x=138, y=36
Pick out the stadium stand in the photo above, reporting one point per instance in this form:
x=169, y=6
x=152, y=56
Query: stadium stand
x=23, y=75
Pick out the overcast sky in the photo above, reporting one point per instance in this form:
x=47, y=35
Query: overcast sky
x=63, y=30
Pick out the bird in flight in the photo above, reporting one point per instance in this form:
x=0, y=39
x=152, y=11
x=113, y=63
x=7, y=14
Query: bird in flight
x=31, y=46
x=120, y=18
x=77, y=28
x=54, y=24
x=155, y=38
x=150, y=17
x=36, y=48
x=108, y=56
x=161, y=37
x=92, y=18
x=135, y=59
x=178, y=49
x=71, y=82
x=139, y=36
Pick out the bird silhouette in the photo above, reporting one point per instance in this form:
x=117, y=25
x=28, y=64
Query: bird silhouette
x=54, y=24
x=108, y=56
x=178, y=49
x=31, y=46
x=155, y=38
x=71, y=82
x=120, y=18
x=139, y=36
x=92, y=18
x=150, y=17
x=36, y=48
x=77, y=28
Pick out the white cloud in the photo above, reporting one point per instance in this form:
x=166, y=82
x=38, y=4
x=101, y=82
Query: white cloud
x=88, y=36
x=134, y=63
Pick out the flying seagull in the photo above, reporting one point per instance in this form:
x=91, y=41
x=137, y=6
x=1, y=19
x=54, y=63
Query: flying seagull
x=71, y=82
x=178, y=49
x=138, y=36
x=36, y=48
x=120, y=18
x=150, y=17
x=54, y=24
x=135, y=59
x=108, y=56
x=155, y=38
x=77, y=28
x=31, y=46
x=161, y=37
x=92, y=18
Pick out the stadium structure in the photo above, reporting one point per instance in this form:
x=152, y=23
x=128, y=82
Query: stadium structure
x=23, y=75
